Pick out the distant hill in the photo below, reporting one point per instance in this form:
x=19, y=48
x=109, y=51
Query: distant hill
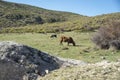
x=14, y=14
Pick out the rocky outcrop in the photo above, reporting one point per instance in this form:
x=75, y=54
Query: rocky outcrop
x=35, y=62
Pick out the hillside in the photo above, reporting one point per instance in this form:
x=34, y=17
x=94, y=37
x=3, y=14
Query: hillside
x=78, y=24
x=14, y=14
x=104, y=19
x=21, y=18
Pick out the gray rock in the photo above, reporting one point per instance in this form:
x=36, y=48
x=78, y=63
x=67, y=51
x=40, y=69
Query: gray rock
x=71, y=62
x=11, y=71
x=35, y=62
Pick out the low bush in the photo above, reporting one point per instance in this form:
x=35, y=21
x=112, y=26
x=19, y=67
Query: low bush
x=108, y=36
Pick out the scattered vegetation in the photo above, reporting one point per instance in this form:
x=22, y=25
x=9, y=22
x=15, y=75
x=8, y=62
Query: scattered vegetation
x=99, y=71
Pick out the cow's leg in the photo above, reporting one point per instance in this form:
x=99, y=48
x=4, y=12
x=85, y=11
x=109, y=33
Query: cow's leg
x=68, y=44
x=61, y=42
x=73, y=43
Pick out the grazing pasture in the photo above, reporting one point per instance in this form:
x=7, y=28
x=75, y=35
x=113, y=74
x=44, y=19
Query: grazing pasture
x=84, y=50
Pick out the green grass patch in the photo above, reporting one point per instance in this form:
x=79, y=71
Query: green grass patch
x=85, y=49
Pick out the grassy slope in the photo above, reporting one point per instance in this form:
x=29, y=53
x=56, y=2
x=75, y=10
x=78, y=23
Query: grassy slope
x=81, y=24
x=14, y=15
x=85, y=49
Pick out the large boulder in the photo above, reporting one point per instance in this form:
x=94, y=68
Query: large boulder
x=35, y=62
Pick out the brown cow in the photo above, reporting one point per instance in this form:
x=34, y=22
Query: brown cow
x=67, y=39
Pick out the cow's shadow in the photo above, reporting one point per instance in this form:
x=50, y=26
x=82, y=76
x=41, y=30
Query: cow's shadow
x=77, y=45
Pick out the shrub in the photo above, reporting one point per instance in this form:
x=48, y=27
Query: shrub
x=115, y=44
x=108, y=36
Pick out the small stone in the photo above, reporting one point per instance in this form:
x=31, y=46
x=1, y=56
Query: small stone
x=46, y=71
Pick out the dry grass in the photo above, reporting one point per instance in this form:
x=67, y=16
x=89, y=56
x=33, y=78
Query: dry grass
x=107, y=71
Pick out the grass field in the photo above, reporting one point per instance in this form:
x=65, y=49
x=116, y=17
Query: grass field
x=85, y=49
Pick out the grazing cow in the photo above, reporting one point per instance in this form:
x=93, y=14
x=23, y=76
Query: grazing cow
x=67, y=39
x=53, y=36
